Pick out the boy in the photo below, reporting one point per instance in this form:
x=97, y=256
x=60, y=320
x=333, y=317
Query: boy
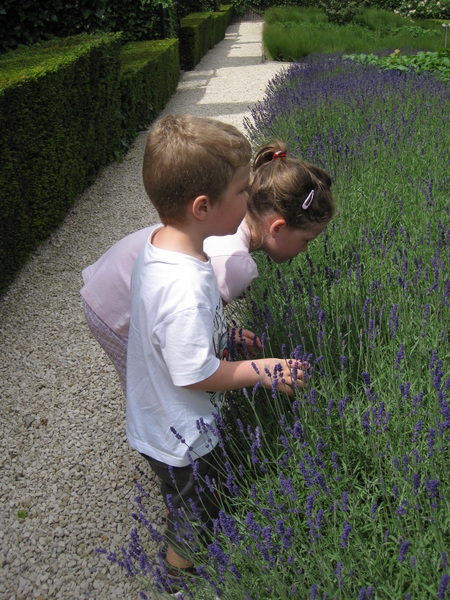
x=195, y=173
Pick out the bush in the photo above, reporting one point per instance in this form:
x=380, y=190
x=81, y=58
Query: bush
x=60, y=122
x=25, y=22
x=148, y=77
x=424, y=9
x=137, y=19
x=340, y=12
x=201, y=31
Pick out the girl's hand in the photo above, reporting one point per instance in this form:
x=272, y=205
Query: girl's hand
x=276, y=373
x=246, y=341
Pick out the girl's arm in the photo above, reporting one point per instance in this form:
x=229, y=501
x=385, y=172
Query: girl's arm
x=234, y=375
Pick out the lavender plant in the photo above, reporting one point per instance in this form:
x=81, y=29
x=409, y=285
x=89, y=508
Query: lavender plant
x=342, y=491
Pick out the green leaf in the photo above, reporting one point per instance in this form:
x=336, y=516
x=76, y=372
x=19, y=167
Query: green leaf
x=21, y=514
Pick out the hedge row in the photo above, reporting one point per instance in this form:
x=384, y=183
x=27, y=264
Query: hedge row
x=149, y=75
x=201, y=31
x=67, y=109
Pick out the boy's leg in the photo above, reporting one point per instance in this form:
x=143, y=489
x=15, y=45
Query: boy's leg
x=202, y=506
x=113, y=344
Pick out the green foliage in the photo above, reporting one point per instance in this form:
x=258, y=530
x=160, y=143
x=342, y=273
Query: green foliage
x=29, y=21
x=292, y=33
x=195, y=38
x=187, y=7
x=435, y=62
x=340, y=12
x=383, y=4
x=60, y=122
x=137, y=19
x=424, y=9
x=201, y=31
x=148, y=77
x=260, y=6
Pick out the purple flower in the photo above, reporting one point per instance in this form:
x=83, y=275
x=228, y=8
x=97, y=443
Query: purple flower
x=405, y=463
x=403, y=550
x=362, y=594
x=344, y=501
x=431, y=439
x=432, y=487
x=345, y=534
x=417, y=430
x=444, y=562
x=413, y=562
x=313, y=591
x=443, y=587
x=373, y=510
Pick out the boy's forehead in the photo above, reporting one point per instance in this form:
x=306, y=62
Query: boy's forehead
x=243, y=172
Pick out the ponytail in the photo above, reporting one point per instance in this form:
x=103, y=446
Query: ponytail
x=297, y=191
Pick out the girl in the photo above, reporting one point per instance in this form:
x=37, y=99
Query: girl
x=289, y=205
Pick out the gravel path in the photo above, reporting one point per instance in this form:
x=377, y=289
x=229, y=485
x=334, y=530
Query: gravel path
x=64, y=455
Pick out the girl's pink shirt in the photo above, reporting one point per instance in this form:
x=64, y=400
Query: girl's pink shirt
x=232, y=262
x=107, y=282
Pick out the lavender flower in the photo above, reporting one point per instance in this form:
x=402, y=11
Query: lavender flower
x=403, y=550
x=373, y=510
x=345, y=534
x=443, y=587
x=344, y=501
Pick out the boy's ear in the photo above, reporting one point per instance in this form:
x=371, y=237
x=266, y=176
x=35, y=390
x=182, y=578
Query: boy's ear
x=201, y=207
x=277, y=226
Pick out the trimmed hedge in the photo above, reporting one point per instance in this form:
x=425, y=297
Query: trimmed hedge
x=229, y=12
x=195, y=38
x=149, y=76
x=59, y=123
x=201, y=31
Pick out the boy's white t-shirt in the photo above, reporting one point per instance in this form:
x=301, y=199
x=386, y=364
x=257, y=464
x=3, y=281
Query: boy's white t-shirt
x=177, y=337
x=107, y=282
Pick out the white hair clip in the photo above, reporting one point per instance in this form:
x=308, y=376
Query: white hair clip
x=307, y=203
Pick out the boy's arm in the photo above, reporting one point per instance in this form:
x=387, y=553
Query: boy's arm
x=234, y=375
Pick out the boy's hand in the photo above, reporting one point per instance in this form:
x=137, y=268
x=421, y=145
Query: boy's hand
x=246, y=341
x=279, y=374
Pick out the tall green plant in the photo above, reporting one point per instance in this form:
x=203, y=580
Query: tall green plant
x=340, y=12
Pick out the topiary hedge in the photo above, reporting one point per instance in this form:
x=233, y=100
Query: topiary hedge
x=149, y=76
x=201, y=31
x=59, y=123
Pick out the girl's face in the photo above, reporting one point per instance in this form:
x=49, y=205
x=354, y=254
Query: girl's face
x=284, y=243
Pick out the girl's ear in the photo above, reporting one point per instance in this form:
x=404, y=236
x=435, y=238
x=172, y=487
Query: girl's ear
x=277, y=226
x=201, y=207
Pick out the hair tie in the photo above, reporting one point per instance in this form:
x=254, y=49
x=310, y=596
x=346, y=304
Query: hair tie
x=279, y=154
x=307, y=203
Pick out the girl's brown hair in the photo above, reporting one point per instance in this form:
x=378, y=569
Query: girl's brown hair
x=281, y=185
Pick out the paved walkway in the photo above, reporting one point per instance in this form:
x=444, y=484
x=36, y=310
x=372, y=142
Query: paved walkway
x=64, y=456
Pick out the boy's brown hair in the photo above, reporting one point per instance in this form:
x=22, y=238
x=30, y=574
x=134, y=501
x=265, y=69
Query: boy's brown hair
x=280, y=184
x=186, y=157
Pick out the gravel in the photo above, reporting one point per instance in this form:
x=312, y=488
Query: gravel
x=64, y=458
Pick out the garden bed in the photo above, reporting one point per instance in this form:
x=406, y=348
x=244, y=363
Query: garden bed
x=292, y=33
x=343, y=492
